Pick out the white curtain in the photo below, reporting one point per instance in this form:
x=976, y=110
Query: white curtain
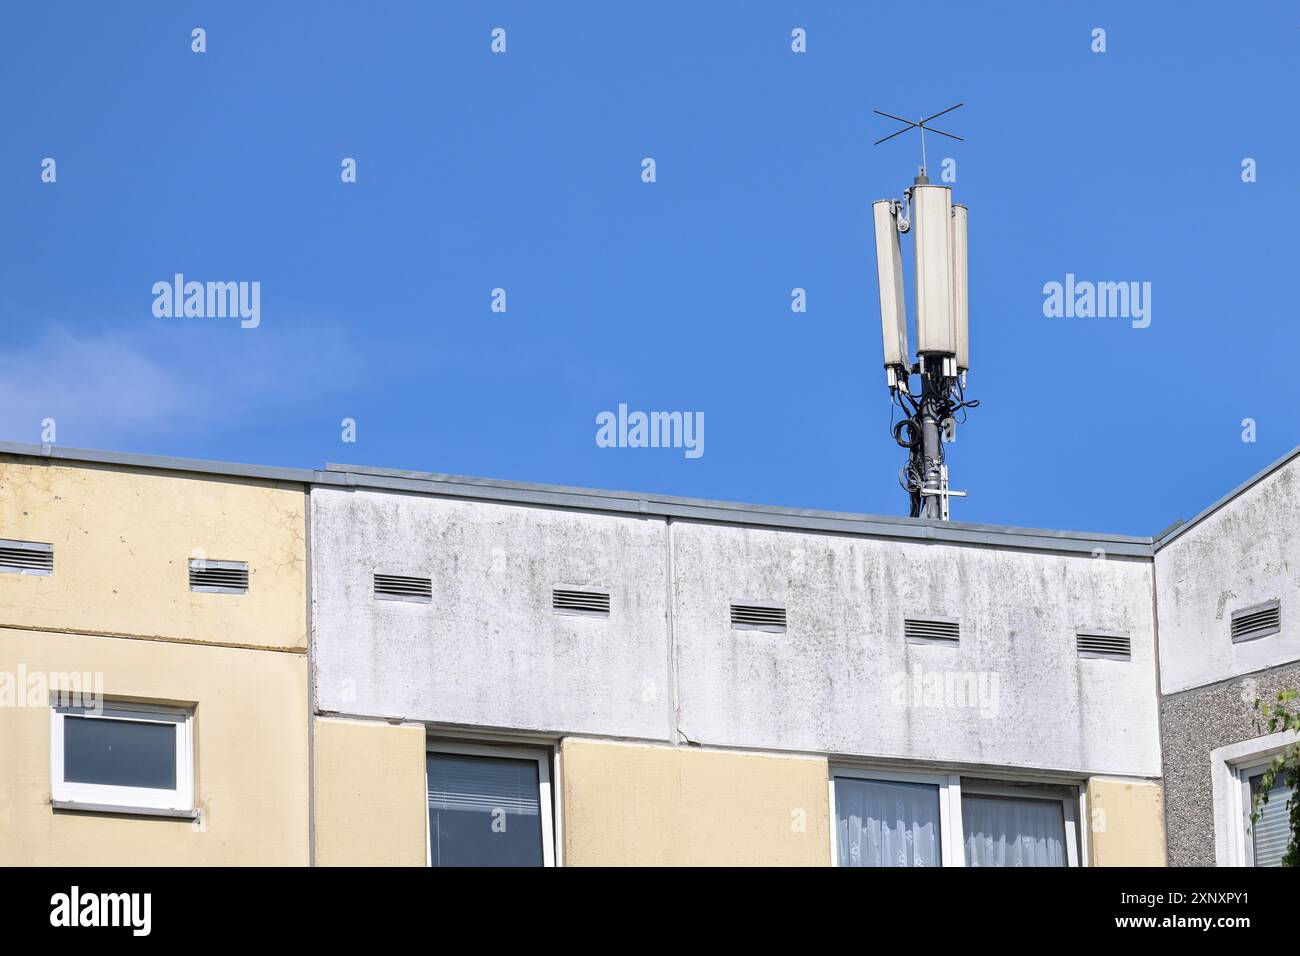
x=1010, y=831
x=883, y=823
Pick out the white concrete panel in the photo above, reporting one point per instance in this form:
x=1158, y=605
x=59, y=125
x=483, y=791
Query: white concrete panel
x=488, y=650
x=842, y=679
x=1245, y=553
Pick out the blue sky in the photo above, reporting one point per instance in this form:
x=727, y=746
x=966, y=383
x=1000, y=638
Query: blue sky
x=523, y=171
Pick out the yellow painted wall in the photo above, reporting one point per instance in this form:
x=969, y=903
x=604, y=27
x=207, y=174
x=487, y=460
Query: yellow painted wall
x=371, y=804
x=123, y=539
x=250, y=736
x=1126, y=822
x=642, y=805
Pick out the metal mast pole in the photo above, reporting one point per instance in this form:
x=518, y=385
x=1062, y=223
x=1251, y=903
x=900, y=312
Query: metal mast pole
x=932, y=398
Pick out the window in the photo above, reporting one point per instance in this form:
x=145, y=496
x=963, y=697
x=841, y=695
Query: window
x=1017, y=824
x=1235, y=772
x=489, y=806
x=131, y=757
x=898, y=819
x=1009, y=831
x=886, y=822
x=1266, y=839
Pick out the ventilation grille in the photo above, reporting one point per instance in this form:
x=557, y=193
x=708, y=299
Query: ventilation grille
x=755, y=617
x=917, y=630
x=1101, y=645
x=1259, y=621
x=401, y=587
x=219, y=577
x=26, y=557
x=589, y=603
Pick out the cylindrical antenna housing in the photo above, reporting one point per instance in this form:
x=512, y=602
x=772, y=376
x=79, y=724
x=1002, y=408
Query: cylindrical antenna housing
x=889, y=272
x=931, y=215
x=960, y=294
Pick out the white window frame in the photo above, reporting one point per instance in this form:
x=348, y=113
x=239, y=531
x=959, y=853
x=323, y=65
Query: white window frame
x=1244, y=773
x=112, y=798
x=1231, y=768
x=952, y=837
x=542, y=755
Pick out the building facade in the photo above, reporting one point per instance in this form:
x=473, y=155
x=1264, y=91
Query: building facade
x=712, y=683
x=153, y=709
x=1228, y=584
x=424, y=669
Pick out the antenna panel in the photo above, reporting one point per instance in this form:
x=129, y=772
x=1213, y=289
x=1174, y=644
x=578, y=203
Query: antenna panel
x=889, y=272
x=931, y=215
x=960, y=296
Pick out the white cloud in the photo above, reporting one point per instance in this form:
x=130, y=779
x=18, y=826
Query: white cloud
x=107, y=389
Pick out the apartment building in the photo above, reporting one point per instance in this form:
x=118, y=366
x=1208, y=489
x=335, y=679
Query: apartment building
x=645, y=680
x=431, y=670
x=1228, y=584
x=153, y=662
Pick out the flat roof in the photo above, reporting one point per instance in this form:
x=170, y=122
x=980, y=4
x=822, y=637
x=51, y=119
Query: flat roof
x=668, y=506
x=621, y=502
x=698, y=509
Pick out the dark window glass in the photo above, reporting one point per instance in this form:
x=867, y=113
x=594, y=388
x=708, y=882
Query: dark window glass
x=483, y=811
x=119, y=753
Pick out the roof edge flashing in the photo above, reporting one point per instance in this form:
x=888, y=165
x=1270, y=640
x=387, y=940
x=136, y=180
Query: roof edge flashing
x=1176, y=530
x=594, y=499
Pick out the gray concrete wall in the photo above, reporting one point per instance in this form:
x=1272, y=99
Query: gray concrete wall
x=1243, y=554
x=832, y=682
x=1193, y=723
x=490, y=652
